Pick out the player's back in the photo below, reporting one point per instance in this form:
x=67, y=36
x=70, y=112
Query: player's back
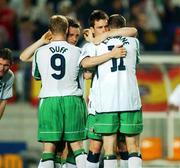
x=57, y=65
x=115, y=81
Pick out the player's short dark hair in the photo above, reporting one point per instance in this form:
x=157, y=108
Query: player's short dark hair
x=116, y=21
x=97, y=15
x=72, y=22
x=6, y=54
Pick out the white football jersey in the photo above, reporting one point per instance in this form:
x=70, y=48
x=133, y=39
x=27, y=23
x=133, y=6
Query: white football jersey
x=56, y=65
x=115, y=86
x=6, y=85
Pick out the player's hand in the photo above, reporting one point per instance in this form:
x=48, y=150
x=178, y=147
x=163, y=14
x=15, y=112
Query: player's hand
x=46, y=37
x=88, y=35
x=87, y=75
x=118, y=51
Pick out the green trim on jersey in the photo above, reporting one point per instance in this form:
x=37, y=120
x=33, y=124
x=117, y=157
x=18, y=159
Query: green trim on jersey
x=137, y=51
x=37, y=75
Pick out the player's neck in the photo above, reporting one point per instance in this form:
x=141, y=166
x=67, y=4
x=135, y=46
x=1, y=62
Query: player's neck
x=58, y=37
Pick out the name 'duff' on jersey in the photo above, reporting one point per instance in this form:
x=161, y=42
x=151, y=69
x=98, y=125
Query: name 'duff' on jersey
x=58, y=49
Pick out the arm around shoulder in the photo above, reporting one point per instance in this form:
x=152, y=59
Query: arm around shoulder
x=27, y=54
x=125, y=31
x=92, y=61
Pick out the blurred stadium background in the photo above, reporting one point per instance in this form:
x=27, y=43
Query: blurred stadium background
x=158, y=24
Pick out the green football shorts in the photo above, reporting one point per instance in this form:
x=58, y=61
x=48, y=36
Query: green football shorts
x=90, y=128
x=62, y=118
x=130, y=122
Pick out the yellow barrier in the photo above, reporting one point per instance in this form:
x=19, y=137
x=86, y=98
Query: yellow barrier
x=35, y=88
x=11, y=161
x=1, y=161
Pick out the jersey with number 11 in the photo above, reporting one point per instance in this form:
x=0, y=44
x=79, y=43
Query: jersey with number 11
x=56, y=65
x=115, y=85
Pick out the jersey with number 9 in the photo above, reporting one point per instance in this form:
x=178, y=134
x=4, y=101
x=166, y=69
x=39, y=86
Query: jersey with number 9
x=56, y=65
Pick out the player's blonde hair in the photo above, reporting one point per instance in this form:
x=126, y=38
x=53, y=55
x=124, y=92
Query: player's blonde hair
x=58, y=24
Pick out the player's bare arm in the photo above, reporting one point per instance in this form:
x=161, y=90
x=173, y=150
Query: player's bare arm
x=27, y=54
x=2, y=107
x=124, y=31
x=92, y=61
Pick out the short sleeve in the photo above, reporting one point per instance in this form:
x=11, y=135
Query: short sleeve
x=88, y=50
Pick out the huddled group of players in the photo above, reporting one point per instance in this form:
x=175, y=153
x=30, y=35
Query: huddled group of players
x=112, y=118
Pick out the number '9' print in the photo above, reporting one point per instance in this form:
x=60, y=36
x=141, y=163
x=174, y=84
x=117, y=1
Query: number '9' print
x=58, y=67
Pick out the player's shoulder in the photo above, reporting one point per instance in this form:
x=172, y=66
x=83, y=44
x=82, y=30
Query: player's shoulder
x=133, y=41
x=131, y=38
x=73, y=49
x=9, y=76
x=42, y=48
x=52, y=46
x=88, y=47
x=10, y=73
